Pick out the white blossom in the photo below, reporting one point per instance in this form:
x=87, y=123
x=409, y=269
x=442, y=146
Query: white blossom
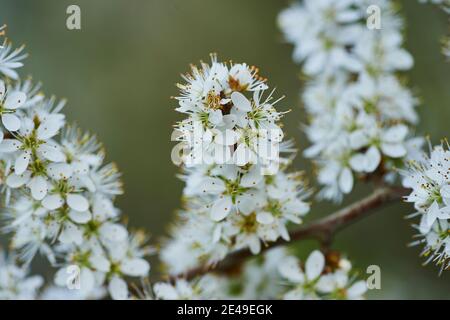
x=10, y=102
x=58, y=194
x=224, y=125
x=10, y=59
x=315, y=280
x=361, y=115
x=238, y=192
x=260, y=278
x=429, y=179
x=205, y=288
x=259, y=210
x=15, y=284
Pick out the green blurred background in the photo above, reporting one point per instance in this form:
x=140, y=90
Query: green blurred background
x=119, y=71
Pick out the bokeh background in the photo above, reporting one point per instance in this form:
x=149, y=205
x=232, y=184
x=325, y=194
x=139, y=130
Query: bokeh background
x=119, y=72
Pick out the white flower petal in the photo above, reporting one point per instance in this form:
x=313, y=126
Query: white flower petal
x=373, y=159
x=221, y=208
x=315, y=63
x=59, y=171
x=433, y=213
x=314, y=265
x=358, y=162
x=395, y=134
x=445, y=191
x=71, y=234
x=212, y=185
x=118, y=289
x=113, y=232
x=135, y=267
x=358, y=139
x=326, y=283
x=52, y=202
x=217, y=233
x=14, y=100
x=357, y=290
x=424, y=228
x=246, y=204
x=295, y=294
x=61, y=277
x=401, y=59
x=52, y=152
x=252, y=178
x=11, y=122
x=254, y=245
x=229, y=121
x=77, y=202
x=241, y=103
x=22, y=162
x=10, y=145
x=165, y=291
x=346, y=180
x=39, y=188
x=215, y=117
x=289, y=269
x=48, y=128
x=100, y=263
x=2, y=89
x=394, y=150
x=16, y=181
x=265, y=218
x=80, y=217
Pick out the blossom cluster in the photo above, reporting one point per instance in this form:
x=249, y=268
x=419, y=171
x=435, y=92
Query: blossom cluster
x=259, y=279
x=205, y=288
x=57, y=193
x=429, y=179
x=276, y=274
x=223, y=125
x=318, y=280
x=361, y=113
x=231, y=205
x=15, y=284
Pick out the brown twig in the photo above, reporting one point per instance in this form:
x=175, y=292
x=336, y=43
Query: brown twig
x=322, y=230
